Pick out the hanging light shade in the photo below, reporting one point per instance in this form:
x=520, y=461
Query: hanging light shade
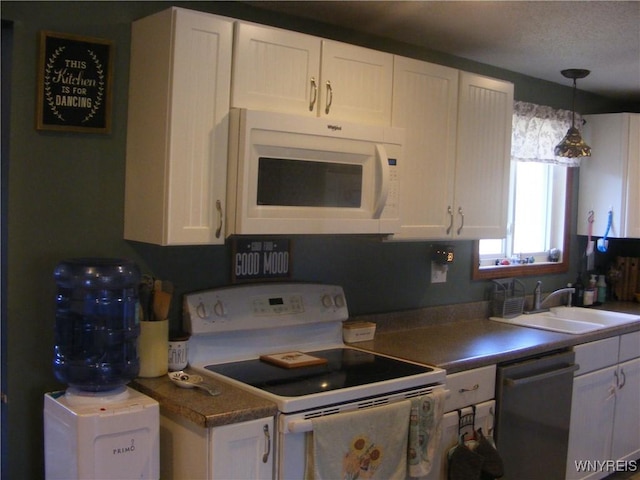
x=572, y=145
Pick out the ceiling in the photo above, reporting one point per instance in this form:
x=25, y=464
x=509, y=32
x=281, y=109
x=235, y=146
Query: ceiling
x=535, y=38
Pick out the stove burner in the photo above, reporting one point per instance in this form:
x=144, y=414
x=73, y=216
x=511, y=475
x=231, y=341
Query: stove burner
x=345, y=368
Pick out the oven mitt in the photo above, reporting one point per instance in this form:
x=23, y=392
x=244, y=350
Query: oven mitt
x=492, y=466
x=464, y=464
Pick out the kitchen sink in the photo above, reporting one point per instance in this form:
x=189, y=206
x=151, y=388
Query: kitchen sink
x=573, y=320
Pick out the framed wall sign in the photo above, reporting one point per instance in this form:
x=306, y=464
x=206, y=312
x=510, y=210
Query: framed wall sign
x=74, y=83
x=260, y=259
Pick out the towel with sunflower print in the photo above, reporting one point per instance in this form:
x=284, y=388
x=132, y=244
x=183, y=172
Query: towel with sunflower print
x=363, y=444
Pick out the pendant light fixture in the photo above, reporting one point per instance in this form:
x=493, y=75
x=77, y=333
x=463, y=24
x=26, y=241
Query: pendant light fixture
x=572, y=145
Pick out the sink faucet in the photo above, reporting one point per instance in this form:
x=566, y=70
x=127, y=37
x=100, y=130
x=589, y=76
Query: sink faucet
x=539, y=304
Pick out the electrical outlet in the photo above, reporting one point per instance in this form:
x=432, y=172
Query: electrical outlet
x=438, y=272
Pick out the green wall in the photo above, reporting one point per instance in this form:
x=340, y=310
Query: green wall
x=66, y=200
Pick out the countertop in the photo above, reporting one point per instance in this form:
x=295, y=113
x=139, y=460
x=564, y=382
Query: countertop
x=468, y=344
x=454, y=345
x=233, y=405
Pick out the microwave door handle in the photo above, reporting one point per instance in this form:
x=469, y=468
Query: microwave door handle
x=383, y=192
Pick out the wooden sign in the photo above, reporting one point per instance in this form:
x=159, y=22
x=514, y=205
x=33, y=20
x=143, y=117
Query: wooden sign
x=74, y=83
x=261, y=259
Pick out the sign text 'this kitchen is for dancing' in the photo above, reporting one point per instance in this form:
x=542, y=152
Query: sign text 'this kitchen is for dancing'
x=74, y=83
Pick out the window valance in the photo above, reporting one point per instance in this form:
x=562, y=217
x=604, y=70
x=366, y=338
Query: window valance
x=537, y=129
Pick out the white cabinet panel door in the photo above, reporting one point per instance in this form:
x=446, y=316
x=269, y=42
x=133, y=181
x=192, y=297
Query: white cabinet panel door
x=425, y=104
x=483, y=159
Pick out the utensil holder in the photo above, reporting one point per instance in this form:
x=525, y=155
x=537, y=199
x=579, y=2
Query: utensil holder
x=508, y=298
x=153, y=348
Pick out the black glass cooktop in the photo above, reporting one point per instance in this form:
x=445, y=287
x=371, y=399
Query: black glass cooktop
x=344, y=368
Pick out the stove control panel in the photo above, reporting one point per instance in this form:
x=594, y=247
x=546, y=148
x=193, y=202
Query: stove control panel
x=249, y=307
x=278, y=305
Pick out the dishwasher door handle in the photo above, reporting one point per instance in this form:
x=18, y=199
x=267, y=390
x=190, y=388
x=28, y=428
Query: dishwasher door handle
x=514, y=382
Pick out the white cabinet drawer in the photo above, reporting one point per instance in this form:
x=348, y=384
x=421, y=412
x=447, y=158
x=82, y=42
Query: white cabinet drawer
x=629, y=346
x=471, y=387
x=595, y=355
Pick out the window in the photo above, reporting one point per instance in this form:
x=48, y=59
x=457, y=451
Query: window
x=539, y=200
x=536, y=216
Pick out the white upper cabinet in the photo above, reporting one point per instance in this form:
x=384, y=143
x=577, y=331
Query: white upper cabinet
x=610, y=178
x=455, y=178
x=275, y=69
x=289, y=72
x=177, y=134
x=356, y=83
x=425, y=104
x=483, y=157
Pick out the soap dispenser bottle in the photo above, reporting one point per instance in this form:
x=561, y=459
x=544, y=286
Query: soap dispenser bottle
x=602, y=289
x=590, y=293
x=578, y=299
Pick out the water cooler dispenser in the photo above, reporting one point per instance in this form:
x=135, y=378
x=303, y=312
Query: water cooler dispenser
x=98, y=428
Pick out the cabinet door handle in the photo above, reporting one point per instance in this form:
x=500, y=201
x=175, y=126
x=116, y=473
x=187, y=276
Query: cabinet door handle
x=219, y=209
x=461, y=213
x=329, y=97
x=472, y=389
x=267, y=450
x=622, y=378
x=314, y=94
x=450, y=212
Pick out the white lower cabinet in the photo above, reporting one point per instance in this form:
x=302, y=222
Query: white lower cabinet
x=626, y=422
x=605, y=410
x=471, y=393
x=239, y=451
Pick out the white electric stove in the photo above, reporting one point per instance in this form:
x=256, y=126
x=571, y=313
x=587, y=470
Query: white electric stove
x=283, y=342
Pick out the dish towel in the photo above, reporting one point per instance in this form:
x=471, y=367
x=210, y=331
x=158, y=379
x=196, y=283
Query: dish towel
x=425, y=431
x=363, y=444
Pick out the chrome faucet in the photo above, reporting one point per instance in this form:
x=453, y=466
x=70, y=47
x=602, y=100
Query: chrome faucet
x=539, y=304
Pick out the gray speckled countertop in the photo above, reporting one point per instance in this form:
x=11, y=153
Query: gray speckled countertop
x=231, y=406
x=437, y=336
x=468, y=344
x=455, y=338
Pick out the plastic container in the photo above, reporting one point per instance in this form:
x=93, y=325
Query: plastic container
x=602, y=289
x=358, y=331
x=96, y=323
x=578, y=298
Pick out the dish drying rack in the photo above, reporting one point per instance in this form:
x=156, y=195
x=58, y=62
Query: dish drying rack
x=508, y=298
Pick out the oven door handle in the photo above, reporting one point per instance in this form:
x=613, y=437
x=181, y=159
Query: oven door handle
x=301, y=426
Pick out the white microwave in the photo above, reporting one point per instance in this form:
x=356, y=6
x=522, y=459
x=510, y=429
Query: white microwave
x=297, y=175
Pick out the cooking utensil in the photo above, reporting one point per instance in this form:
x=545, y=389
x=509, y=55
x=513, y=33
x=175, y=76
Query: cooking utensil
x=161, y=301
x=590, y=242
x=188, y=380
x=145, y=294
x=603, y=243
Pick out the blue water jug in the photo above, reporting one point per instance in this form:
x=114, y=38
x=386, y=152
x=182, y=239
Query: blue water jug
x=97, y=325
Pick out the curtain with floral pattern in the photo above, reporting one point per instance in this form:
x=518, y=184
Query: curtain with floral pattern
x=537, y=129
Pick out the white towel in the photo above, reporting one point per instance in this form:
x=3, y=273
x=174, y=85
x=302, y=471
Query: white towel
x=425, y=431
x=362, y=444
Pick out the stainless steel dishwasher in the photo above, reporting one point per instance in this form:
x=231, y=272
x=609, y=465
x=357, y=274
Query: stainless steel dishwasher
x=533, y=413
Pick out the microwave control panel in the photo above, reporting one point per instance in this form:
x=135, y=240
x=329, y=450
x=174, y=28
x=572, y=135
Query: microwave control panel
x=392, y=207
